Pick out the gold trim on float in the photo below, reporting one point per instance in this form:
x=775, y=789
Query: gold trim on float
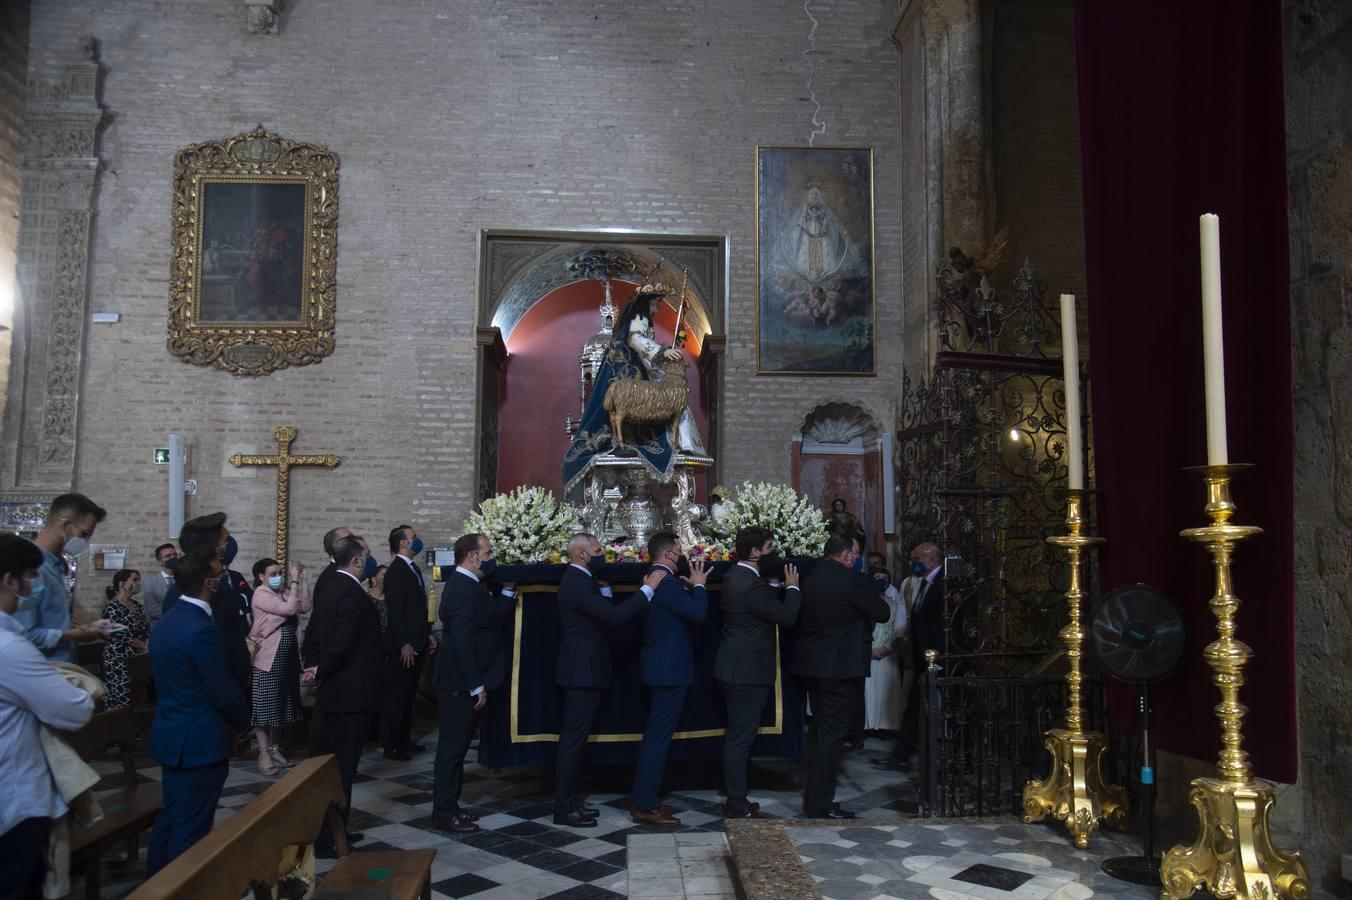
x=627, y=737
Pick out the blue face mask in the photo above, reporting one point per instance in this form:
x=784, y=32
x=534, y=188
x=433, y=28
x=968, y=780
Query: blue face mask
x=33, y=599
x=416, y=547
x=859, y=563
x=370, y=567
x=918, y=568
x=487, y=567
x=275, y=582
x=230, y=552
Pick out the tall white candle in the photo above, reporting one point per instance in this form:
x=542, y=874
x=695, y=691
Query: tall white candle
x=1070, y=361
x=1213, y=342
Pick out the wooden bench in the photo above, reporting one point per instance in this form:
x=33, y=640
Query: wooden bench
x=126, y=813
x=245, y=852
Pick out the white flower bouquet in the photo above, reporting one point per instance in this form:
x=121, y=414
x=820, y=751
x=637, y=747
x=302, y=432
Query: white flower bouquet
x=526, y=526
x=799, y=528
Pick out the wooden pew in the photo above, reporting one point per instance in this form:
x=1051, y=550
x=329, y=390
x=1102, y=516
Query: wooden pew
x=126, y=813
x=246, y=850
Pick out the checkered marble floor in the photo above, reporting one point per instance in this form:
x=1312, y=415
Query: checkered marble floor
x=521, y=854
x=991, y=859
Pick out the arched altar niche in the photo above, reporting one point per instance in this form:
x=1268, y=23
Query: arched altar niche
x=839, y=451
x=542, y=380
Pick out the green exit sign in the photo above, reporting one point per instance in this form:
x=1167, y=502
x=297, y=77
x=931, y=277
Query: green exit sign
x=161, y=456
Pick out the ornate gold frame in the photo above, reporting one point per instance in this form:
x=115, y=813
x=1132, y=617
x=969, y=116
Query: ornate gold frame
x=254, y=348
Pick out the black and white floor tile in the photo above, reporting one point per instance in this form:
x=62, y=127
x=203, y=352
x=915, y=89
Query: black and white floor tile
x=521, y=854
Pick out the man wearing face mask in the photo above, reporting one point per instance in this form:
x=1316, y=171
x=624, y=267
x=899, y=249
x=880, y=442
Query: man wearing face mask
x=31, y=694
x=469, y=668
x=583, y=671
x=46, y=617
x=841, y=604
x=230, y=602
x=746, y=662
x=157, y=585
x=309, y=649
x=408, y=640
x=927, y=633
x=668, y=665
x=349, y=669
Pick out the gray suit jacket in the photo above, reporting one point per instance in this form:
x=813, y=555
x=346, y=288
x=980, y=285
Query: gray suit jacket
x=152, y=595
x=751, y=610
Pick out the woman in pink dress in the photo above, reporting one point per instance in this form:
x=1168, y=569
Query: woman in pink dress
x=278, y=601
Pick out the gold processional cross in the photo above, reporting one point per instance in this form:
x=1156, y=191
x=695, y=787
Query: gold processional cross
x=284, y=462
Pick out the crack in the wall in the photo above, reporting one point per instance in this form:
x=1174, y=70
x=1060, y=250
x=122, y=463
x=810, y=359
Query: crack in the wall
x=818, y=126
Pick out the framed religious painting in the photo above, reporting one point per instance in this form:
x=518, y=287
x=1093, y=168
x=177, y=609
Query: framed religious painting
x=814, y=261
x=252, y=285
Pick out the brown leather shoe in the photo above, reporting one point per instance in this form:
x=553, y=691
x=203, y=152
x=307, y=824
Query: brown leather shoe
x=668, y=809
x=653, y=817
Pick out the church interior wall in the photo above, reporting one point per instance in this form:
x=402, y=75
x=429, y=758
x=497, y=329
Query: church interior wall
x=1318, y=35
x=447, y=120
x=13, y=73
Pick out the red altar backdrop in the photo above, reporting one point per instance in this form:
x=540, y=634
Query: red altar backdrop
x=854, y=477
x=543, y=381
x=1181, y=113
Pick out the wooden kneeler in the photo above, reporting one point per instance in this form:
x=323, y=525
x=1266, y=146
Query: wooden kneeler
x=245, y=852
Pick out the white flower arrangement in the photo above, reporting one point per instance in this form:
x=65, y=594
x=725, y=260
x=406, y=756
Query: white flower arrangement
x=799, y=527
x=526, y=526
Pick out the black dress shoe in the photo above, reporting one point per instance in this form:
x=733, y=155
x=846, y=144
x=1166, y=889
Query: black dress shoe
x=588, y=810
x=326, y=851
x=415, y=748
x=575, y=820
x=839, y=812
x=396, y=754
x=455, y=824
x=355, y=837
x=741, y=812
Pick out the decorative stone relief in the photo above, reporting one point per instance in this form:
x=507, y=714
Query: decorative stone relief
x=62, y=120
x=264, y=15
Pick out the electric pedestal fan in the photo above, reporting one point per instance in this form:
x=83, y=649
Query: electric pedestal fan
x=1138, y=636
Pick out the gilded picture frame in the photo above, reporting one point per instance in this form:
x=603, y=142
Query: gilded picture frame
x=253, y=278
x=816, y=303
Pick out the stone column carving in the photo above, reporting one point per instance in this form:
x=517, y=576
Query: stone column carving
x=264, y=15
x=943, y=154
x=61, y=163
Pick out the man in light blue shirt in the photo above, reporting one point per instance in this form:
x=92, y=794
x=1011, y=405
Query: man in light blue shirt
x=32, y=694
x=69, y=526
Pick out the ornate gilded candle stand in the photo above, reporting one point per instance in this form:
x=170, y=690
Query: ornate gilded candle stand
x=1075, y=792
x=1233, y=855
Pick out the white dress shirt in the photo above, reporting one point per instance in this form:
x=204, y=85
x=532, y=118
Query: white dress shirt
x=32, y=693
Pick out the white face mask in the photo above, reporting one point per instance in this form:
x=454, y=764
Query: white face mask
x=274, y=581
x=75, y=546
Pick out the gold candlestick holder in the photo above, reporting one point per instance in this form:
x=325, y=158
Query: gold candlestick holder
x=1233, y=855
x=1075, y=792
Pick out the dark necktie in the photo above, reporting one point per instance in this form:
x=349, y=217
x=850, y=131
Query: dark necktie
x=417, y=571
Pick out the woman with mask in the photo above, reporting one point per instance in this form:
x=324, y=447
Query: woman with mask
x=127, y=637
x=278, y=601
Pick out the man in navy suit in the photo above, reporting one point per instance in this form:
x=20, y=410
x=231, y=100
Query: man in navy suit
x=470, y=666
x=230, y=604
x=583, y=669
x=199, y=709
x=668, y=665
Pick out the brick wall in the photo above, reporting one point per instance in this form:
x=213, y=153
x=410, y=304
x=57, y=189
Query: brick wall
x=448, y=118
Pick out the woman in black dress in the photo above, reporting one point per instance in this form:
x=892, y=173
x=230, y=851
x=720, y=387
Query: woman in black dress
x=128, y=639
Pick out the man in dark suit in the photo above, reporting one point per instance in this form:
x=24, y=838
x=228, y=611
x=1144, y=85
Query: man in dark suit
x=746, y=663
x=470, y=666
x=667, y=661
x=230, y=604
x=349, y=669
x=407, y=641
x=583, y=669
x=200, y=708
x=841, y=604
x=927, y=633
x=309, y=648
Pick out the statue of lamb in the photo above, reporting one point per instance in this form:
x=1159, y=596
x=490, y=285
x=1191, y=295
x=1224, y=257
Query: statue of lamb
x=660, y=401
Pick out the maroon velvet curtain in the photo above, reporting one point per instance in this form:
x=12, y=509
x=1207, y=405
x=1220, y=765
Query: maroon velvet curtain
x=1181, y=113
